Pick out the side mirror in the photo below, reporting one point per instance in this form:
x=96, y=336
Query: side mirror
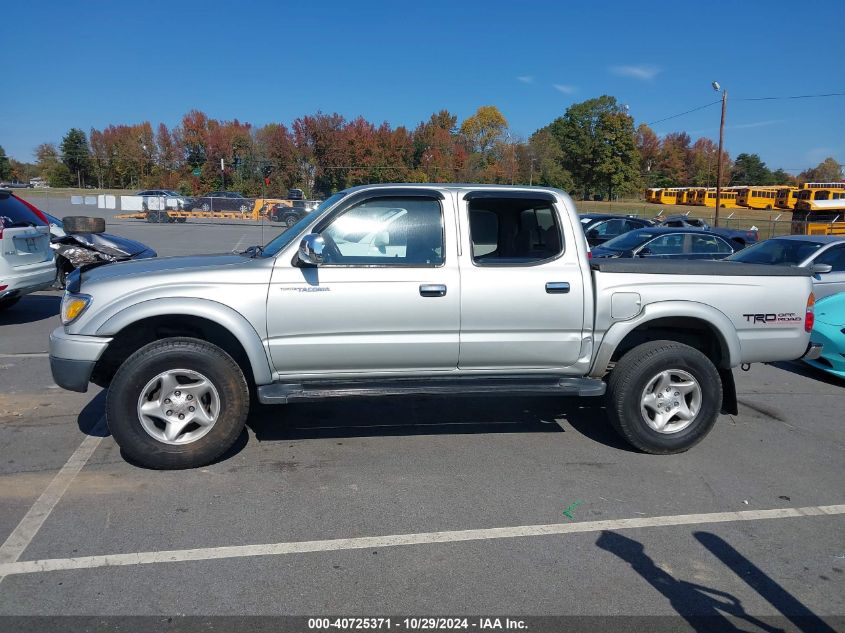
x=644, y=252
x=593, y=233
x=821, y=269
x=311, y=249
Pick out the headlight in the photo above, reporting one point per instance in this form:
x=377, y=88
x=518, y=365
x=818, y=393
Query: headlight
x=72, y=306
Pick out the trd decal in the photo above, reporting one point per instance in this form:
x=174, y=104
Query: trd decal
x=771, y=317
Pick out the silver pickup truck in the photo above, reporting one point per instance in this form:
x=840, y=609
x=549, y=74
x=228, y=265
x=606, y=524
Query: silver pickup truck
x=420, y=289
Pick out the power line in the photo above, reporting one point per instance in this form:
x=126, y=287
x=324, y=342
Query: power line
x=828, y=94
x=707, y=105
x=675, y=116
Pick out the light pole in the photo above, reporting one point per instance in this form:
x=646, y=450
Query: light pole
x=717, y=88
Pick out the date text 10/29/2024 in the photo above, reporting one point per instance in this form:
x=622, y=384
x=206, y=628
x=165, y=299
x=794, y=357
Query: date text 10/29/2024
x=415, y=624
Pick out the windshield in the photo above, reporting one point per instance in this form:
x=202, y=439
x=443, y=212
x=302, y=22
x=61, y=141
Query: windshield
x=777, y=251
x=627, y=241
x=293, y=232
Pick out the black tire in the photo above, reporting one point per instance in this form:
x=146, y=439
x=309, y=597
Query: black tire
x=633, y=374
x=289, y=219
x=181, y=220
x=169, y=354
x=152, y=217
x=8, y=302
x=83, y=224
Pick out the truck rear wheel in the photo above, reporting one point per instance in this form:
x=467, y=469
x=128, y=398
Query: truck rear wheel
x=177, y=403
x=664, y=397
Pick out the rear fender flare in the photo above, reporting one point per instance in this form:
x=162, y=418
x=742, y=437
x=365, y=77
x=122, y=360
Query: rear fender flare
x=716, y=319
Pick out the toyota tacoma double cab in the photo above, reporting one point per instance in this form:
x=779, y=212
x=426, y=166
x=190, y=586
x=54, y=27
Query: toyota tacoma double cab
x=420, y=289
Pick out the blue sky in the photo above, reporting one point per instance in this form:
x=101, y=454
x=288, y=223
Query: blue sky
x=89, y=64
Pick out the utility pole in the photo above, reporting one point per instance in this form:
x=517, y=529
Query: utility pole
x=719, y=157
x=222, y=175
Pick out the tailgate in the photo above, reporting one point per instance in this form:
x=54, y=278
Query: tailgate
x=23, y=246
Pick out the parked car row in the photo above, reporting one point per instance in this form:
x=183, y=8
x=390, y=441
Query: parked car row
x=600, y=228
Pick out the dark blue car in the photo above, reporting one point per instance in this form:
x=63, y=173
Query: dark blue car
x=668, y=243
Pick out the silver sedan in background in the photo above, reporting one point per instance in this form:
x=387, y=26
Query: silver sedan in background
x=824, y=252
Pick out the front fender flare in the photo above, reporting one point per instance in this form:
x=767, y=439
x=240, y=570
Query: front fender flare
x=716, y=319
x=220, y=313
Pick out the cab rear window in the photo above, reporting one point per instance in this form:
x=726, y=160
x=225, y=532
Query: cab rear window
x=13, y=212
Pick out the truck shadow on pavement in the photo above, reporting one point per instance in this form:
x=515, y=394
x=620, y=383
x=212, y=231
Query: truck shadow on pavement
x=808, y=371
x=92, y=419
x=31, y=309
x=431, y=415
x=403, y=416
x=708, y=609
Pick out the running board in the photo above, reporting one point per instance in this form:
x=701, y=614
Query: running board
x=282, y=393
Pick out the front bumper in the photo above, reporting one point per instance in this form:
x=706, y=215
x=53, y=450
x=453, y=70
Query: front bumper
x=73, y=357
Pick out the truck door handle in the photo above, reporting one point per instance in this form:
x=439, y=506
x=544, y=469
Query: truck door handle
x=557, y=287
x=433, y=290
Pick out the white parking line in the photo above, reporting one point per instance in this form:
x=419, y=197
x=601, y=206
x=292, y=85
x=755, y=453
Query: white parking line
x=26, y=530
x=26, y=355
x=303, y=547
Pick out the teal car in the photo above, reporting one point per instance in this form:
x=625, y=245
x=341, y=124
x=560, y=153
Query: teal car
x=829, y=330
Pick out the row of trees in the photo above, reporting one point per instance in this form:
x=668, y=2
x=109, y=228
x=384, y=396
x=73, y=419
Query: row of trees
x=592, y=149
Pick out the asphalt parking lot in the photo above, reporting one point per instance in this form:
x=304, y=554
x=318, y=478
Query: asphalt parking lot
x=419, y=506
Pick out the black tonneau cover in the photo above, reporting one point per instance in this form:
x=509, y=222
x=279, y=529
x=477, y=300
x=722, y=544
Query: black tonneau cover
x=687, y=267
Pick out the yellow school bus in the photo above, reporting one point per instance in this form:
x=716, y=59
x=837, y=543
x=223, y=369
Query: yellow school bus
x=698, y=195
x=727, y=199
x=818, y=199
x=828, y=218
x=785, y=198
x=651, y=194
x=667, y=196
x=757, y=197
x=821, y=185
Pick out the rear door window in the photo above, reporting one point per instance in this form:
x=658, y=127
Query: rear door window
x=513, y=231
x=671, y=244
x=709, y=245
x=13, y=213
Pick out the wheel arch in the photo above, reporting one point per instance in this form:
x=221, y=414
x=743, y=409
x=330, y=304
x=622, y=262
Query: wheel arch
x=135, y=326
x=696, y=324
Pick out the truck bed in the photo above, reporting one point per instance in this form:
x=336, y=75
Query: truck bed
x=687, y=267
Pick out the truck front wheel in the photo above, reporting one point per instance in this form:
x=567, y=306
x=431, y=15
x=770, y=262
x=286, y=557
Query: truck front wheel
x=664, y=397
x=177, y=403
